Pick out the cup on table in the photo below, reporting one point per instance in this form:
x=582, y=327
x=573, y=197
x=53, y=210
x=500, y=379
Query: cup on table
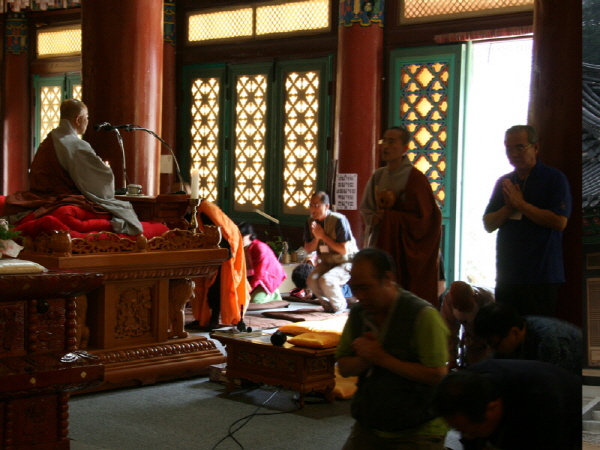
x=134, y=189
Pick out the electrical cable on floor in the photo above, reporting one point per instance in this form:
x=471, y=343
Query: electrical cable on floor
x=249, y=417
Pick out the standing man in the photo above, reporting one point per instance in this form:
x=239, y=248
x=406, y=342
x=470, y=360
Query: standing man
x=529, y=207
x=395, y=343
x=459, y=308
x=67, y=171
x=330, y=235
x=402, y=217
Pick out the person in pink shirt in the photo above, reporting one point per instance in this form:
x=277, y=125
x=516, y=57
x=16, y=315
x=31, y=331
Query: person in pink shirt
x=264, y=271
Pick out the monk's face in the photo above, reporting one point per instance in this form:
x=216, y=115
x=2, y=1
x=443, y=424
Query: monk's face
x=81, y=121
x=392, y=147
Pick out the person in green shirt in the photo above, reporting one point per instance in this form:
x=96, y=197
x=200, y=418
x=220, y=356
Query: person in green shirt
x=396, y=343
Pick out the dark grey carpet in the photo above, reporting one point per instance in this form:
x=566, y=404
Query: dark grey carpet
x=197, y=413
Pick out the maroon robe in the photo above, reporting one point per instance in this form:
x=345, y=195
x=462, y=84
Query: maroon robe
x=411, y=232
x=50, y=186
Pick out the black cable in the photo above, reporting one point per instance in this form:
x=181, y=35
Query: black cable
x=249, y=417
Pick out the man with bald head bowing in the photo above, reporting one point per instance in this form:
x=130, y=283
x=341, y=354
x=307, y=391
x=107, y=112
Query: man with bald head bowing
x=459, y=308
x=530, y=208
x=67, y=171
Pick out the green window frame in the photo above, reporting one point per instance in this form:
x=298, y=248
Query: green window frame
x=259, y=134
x=426, y=86
x=49, y=94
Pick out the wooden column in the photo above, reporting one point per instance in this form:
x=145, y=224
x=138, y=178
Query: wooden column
x=169, y=121
x=358, y=98
x=16, y=150
x=555, y=110
x=122, y=63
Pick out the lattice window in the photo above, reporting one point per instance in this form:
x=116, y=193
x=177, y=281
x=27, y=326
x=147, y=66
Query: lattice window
x=292, y=16
x=250, y=148
x=59, y=42
x=301, y=127
x=423, y=111
x=205, y=134
x=430, y=10
x=220, y=25
x=76, y=92
x=251, y=21
x=50, y=100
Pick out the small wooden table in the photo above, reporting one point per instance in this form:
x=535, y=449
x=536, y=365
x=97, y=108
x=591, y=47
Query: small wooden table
x=300, y=369
x=165, y=208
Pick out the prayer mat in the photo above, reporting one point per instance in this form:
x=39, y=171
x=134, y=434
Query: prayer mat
x=300, y=315
x=275, y=304
x=263, y=322
x=293, y=298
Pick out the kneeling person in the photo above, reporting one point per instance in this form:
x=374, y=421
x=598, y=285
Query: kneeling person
x=265, y=273
x=330, y=235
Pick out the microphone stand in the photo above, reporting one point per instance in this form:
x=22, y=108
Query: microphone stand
x=123, y=190
x=135, y=127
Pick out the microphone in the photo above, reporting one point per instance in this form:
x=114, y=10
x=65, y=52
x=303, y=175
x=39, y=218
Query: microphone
x=108, y=127
x=101, y=126
x=272, y=219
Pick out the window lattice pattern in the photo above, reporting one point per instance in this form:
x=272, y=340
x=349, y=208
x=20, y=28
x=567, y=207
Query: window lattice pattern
x=250, y=130
x=76, y=92
x=431, y=8
x=50, y=100
x=220, y=25
x=205, y=133
x=423, y=111
x=59, y=42
x=297, y=16
x=301, y=127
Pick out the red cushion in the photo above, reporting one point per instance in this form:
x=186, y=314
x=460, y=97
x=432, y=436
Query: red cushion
x=80, y=223
x=83, y=221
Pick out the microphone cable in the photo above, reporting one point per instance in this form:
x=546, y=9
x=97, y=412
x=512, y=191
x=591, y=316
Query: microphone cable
x=249, y=417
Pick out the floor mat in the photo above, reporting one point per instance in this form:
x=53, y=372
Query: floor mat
x=264, y=322
x=300, y=315
x=275, y=304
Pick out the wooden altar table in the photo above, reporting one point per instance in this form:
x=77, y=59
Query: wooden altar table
x=39, y=362
x=135, y=319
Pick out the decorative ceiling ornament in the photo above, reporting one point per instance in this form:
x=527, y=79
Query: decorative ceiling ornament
x=41, y=5
x=17, y=5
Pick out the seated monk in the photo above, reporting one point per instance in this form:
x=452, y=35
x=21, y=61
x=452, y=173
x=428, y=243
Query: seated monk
x=67, y=171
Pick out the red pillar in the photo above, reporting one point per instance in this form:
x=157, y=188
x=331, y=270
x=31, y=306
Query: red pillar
x=169, y=121
x=358, y=98
x=16, y=125
x=122, y=62
x=555, y=110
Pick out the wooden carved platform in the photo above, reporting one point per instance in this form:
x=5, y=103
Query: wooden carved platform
x=39, y=362
x=134, y=321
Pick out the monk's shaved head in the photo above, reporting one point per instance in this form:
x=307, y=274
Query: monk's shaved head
x=71, y=108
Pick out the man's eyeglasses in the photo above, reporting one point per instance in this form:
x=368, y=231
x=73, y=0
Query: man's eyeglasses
x=517, y=148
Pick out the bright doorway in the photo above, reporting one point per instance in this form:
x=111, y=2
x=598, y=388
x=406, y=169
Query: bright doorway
x=497, y=98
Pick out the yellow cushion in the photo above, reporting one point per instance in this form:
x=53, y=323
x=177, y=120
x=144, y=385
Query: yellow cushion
x=335, y=325
x=344, y=387
x=316, y=340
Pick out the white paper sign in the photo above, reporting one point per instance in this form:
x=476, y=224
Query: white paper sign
x=346, y=191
